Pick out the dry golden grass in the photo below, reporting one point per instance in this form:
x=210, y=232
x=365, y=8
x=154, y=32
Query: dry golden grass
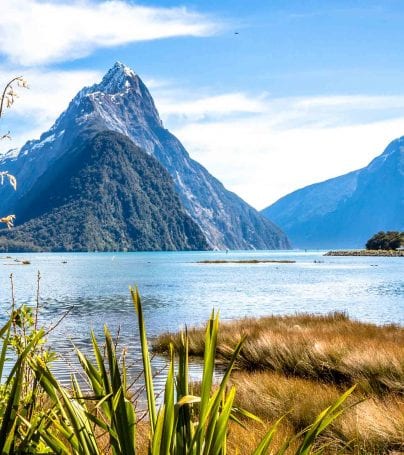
x=332, y=349
x=298, y=365
x=375, y=425
x=244, y=441
x=371, y=427
x=271, y=395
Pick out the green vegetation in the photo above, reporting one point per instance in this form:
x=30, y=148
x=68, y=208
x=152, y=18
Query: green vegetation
x=39, y=415
x=294, y=366
x=390, y=240
x=104, y=194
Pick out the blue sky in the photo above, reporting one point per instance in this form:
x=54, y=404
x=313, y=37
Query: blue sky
x=304, y=91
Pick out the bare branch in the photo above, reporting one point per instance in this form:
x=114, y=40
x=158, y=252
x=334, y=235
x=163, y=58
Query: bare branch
x=9, y=94
x=8, y=220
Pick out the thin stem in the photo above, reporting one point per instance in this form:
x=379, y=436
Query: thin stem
x=37, y=301
x=3, y=96
x=53, y=327
x=13, y=304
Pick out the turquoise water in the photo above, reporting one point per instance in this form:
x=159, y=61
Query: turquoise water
x=176, y=290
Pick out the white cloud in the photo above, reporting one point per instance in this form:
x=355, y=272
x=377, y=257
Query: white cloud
x=352, y=101
x=205, y=107
x=280, y=112
x=35, y=110
x=286, y=143
x=262, y=164
x=36, y=32
x=258, y=146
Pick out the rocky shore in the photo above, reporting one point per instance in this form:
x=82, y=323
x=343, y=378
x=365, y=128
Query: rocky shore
x=387, y=253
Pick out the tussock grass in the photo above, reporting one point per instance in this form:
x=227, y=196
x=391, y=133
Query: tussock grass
x=330, y=349
x=243, y=439
x=371, y=425
x=295, y=366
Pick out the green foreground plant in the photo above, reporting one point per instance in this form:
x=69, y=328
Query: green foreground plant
x=39, y=415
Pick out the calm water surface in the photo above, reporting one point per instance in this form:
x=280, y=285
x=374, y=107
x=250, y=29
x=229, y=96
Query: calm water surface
x=176, y=290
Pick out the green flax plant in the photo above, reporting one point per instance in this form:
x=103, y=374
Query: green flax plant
x=39, y=415
x=198, y=425
x=21, y=397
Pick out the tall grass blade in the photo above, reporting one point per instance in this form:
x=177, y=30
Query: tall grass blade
x=4, y=331
x=158, y=432
x=8, y=424
x=324, y=419
x=151, y=401
x=208, y=363
x=184, y=430
x=221, y=427
x=169, y=417
x=265, y=443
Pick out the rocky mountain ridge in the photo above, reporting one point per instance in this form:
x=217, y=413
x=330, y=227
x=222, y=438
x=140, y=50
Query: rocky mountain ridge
x=122, y=103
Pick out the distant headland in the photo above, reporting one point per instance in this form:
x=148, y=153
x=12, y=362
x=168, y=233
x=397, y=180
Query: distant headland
x=387, y=253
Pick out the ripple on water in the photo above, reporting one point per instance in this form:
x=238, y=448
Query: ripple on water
x=177, y=291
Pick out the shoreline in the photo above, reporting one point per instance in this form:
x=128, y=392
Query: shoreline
x=376, y=253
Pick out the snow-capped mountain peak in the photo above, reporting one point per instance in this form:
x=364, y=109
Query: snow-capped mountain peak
x=122, y=103
x=121, y=95
x=120, y=78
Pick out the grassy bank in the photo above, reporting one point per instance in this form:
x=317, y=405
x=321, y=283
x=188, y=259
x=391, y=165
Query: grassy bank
x=298, y=365
x=331, y=349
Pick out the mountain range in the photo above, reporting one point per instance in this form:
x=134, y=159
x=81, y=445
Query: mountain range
x=68, y=198
x=345, y=211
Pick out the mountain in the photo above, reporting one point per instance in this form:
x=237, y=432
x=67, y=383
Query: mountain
x=344, y=212
x=104, y=194
x=122, y=103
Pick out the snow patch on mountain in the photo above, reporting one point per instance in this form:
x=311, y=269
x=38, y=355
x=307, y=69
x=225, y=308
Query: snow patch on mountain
x=122, y=103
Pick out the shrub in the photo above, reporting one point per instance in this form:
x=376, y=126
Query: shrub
x=390, y=240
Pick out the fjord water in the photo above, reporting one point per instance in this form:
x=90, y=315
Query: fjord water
x=178, y=290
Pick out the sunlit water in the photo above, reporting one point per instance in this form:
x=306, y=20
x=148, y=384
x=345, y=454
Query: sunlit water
x=176, y=290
